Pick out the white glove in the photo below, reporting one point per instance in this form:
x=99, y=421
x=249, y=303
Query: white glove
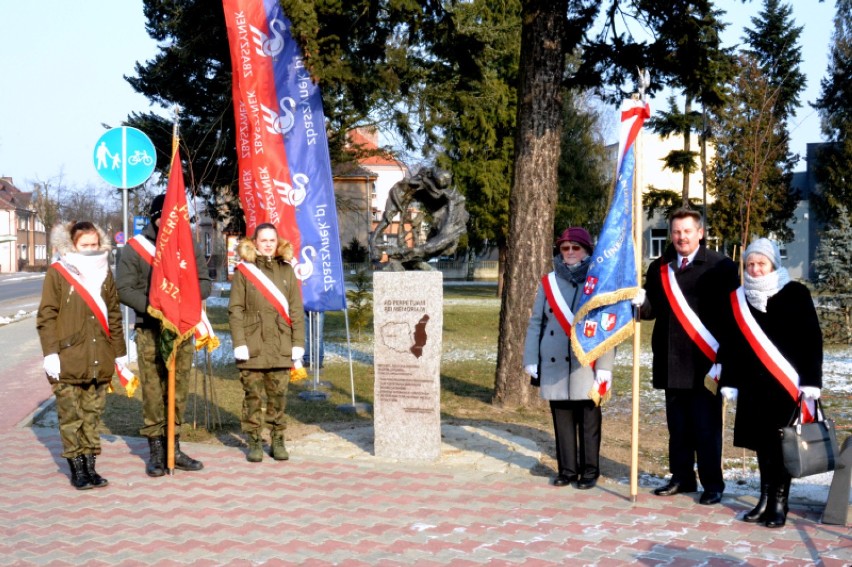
x=639, y=298
x=51, y=365
x=532, y=370
x=810, y=392
x=298, y=353
x=603, y=376
x=729, y=394
x=241, y=352
x=121, y=361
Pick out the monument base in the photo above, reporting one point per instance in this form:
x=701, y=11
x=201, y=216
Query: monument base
x=407, y=322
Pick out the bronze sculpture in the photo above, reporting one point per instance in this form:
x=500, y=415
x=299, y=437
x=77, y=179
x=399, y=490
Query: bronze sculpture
x=432, y=217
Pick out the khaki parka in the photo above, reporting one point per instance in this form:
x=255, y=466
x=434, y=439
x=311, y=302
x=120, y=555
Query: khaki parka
x=68, y=327
x=254, y=320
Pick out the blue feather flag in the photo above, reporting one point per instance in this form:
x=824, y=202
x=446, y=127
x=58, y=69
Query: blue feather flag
x=604, y=314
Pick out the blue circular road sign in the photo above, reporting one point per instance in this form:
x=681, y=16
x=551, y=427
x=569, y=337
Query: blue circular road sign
x=125, y=157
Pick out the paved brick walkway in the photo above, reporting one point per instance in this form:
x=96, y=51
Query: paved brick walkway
x=353, y=509
x=313, y=510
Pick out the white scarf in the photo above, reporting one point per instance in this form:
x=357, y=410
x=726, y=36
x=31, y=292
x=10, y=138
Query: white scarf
x=759, y=289
x=89, y=267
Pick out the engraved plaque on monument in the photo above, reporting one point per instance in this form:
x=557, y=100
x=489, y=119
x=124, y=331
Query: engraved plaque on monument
x=407, y=321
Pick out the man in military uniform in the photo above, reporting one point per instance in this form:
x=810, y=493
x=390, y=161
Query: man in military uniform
x=133, y=282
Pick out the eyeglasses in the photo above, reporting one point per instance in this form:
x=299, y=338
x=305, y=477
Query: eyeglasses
x=571, y=247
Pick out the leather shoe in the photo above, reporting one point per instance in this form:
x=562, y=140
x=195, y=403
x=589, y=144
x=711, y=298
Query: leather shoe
x=674, y=487
x=562, y=480
x=709, y=497
x=586, y=483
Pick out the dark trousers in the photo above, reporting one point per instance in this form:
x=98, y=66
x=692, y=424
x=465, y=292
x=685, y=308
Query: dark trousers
x=694, y=419
x=577, y=425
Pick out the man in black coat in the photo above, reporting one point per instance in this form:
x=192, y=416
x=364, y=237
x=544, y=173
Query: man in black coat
x=684, y=351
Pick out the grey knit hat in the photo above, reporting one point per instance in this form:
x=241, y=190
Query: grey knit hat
x=767, y=248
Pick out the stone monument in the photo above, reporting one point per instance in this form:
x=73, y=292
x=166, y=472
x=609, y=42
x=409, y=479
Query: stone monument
x=407, y=322
x=408, y=313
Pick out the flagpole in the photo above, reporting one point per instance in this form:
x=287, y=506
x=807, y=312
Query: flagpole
x=170, y=415
x=637, y=250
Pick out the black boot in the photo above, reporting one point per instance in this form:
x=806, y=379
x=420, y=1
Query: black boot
x=79, y=477
x=776, y=510
x=156, y=457
x=757, y=512
x=183, y=461
x=97, y=480
x=764, y=465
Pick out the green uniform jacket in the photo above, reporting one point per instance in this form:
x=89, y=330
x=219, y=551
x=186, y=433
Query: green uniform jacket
x=67, y=326
x=134, y=279
x=256, y=323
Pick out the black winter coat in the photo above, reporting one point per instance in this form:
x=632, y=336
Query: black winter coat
x=706, y=283
x=763, y=405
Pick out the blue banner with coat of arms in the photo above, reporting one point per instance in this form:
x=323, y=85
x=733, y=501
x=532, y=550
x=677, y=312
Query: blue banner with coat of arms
x=604, y=314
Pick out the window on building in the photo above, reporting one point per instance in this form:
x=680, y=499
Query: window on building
x=658, y=241
x=713, y=243
x=23, y=255
x=208, y=245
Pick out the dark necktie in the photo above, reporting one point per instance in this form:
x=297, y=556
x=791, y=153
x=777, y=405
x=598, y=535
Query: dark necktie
x=683, y=264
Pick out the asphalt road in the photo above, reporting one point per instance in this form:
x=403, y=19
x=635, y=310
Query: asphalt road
x=19, y=292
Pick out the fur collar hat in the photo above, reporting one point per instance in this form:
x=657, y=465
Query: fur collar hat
x=60, y=239
x=248, y=251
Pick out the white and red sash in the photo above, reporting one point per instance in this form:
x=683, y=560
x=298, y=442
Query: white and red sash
x=691, y=323
x=267, y=288
x=768, y=353
x=99, y=309
x=561, y=309
x=144, y=247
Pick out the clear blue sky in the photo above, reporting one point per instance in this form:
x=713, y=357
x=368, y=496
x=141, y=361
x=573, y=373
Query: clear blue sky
x=63, y=63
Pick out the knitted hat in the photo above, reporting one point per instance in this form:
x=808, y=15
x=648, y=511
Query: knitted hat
x=578, y=235
x=156, y=207
x=767, y=248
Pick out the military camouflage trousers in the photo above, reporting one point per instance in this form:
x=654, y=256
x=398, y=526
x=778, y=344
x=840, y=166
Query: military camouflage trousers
x=154, y=380
x=79, y=408
x=271, y=384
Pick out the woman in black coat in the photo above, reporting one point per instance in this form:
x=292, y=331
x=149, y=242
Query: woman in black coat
x=769, y=312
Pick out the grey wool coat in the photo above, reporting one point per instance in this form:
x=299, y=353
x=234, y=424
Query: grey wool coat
x=560, y=374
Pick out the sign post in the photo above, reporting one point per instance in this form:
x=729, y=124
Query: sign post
x=124, y=157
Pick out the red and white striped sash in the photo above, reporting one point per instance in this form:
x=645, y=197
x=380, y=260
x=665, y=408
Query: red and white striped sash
x=768, y=353
x=685, y=315
x=561, y=309
x=144, y=247
x=99, y=309
x=691, y=323
x=267, y=288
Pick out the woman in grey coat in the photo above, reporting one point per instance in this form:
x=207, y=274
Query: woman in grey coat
x=552, y=366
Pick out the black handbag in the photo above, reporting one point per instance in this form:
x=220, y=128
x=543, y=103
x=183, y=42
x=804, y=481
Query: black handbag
x=809, y=448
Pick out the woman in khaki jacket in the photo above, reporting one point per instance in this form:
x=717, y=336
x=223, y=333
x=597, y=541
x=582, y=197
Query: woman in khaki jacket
x=267, y=326
x=79, y=325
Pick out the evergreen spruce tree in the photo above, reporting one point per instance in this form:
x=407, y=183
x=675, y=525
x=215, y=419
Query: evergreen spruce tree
x=834, y=161
x=833, y=263
x=753, y=169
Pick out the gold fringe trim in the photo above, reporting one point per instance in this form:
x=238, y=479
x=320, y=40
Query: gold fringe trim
x=604, y=299
x=711, y=384
x=131, y=387
x=179, y=337
x=298, y=374
x=596, y=397
x=586, y=358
